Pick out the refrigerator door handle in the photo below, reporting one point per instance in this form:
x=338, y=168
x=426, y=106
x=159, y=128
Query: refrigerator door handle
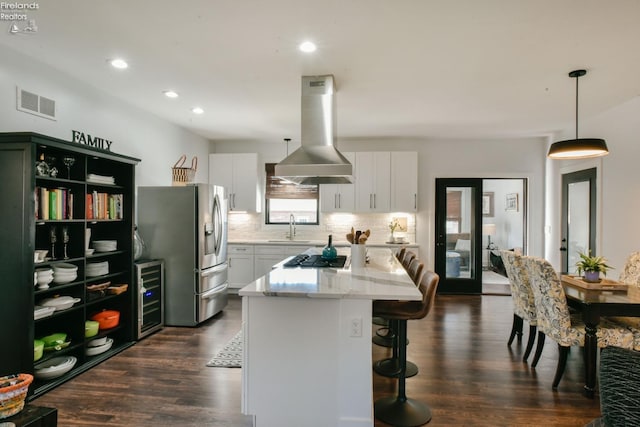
x=217, y=225
x=210, y=294
x=213, y=270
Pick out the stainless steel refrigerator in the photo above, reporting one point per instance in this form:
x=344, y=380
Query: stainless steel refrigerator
x=187, y=228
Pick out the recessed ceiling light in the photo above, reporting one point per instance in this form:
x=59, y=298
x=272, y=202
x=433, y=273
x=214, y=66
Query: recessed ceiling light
x=197, y=110
x=307, y=47
x=170, y=94
x=119, y=63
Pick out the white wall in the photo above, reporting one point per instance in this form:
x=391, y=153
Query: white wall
x=79, y=106
x=618, y=229
x=513, y=158
x=509, y=224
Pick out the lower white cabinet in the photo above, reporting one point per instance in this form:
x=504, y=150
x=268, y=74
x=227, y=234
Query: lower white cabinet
x=240, y=265
x=266, y=256
x=249, y=262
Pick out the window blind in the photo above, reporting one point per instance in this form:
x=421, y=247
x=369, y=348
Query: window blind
x=277, y=188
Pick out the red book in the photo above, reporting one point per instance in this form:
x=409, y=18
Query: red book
x=89, y=207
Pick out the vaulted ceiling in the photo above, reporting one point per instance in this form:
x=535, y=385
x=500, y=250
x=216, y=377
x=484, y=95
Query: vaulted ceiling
x=406, y=68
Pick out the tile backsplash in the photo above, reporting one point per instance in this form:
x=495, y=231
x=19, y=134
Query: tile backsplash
x=250, y=226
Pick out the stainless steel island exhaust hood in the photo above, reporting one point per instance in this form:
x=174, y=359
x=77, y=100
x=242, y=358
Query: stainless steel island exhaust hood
x=317, y=161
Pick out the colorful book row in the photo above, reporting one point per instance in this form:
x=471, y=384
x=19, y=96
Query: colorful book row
x=53, y=203
x=104, y=206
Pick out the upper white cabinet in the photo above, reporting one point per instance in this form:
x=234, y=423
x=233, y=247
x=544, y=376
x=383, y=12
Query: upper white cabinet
x=373, y=181
x=404, y=181
x=238, y=173
x=338, y=197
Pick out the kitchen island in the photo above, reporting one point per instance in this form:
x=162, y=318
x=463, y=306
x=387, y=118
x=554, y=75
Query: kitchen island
x=307, y=341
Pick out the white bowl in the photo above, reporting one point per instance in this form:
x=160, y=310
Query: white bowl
x=42, y=254
x=65, y=267
x=42, y=271
x=65, y=273
x=55, y=367
x=92, y=351
x=89, y=251
x=44, y=280
x=65, y=278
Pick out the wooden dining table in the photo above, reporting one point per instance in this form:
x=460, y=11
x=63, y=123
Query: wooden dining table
x=607, y=298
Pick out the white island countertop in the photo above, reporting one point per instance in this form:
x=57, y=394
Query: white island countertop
x=383, y=278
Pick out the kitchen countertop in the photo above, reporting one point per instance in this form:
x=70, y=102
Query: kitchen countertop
x=322, y=243
x=383, y=278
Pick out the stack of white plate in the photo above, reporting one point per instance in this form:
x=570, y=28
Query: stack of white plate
x=40, y=312
x=105, y=245
x=65, y=273
x=53, y=368
x=97, y=269
x=99, y=346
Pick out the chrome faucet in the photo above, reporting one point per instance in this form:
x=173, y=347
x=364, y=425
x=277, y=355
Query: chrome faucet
x=292, y=226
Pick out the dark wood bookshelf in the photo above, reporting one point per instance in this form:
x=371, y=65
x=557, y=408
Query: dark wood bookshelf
x=23, y=177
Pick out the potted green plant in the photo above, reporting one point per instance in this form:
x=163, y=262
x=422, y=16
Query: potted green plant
x=592, y=267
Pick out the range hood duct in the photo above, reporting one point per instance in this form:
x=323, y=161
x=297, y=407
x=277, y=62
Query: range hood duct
x=317, y=161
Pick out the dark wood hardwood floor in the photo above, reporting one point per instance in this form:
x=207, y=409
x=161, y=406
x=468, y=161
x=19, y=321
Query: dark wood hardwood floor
x=468, y=376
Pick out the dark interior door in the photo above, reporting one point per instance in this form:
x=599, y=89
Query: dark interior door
x=458, y=251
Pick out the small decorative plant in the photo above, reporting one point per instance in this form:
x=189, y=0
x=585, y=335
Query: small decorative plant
x=592, y=265
x=393, y=225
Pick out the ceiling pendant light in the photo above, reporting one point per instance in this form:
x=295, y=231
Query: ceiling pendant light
x=579, y=148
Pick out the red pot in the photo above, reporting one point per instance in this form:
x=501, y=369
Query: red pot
x=107, y=319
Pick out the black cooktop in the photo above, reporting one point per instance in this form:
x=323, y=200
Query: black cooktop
x=315, y=261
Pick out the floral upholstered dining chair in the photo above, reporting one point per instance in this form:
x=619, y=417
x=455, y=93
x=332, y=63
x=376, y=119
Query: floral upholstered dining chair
x=554, y=320
x=631, y=270
x=631, y=276
x=524, y=307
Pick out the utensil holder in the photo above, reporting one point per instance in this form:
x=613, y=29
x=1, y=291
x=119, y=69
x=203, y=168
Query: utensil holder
x=358, y=256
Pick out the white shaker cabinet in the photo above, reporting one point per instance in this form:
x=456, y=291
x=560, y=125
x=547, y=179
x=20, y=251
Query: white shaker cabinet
x=238, y=173
x=338, y=197
x=240, y=259
x=404, y=181
x=265, y=257
x=373, y=181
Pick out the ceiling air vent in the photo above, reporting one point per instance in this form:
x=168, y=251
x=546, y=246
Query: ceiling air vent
x=32, y=103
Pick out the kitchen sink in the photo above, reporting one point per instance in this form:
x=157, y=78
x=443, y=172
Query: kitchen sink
x=288, y=241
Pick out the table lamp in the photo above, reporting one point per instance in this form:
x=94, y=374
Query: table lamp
x=489, y=230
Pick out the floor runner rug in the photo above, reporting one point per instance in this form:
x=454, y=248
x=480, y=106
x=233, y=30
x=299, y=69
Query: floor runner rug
x=230, y=356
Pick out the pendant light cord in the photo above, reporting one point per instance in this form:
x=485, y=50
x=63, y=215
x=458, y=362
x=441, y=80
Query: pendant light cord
x=287, y=141
x=577, y=78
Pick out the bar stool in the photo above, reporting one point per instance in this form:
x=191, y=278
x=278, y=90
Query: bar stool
x=415, y=270
x=408, y=257
x=387, y=338
x=379, y=320
x=399, y=410
x=390, y=367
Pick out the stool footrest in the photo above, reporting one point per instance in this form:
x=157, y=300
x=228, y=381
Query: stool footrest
x=391, y=368
x=382, y=341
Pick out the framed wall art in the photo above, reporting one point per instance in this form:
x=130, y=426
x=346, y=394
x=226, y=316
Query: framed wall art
x=511, y=202
x=487, y=204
